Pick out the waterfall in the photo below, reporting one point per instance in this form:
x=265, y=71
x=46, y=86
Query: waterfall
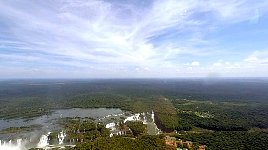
x=153, y=115
x=19, y=141
x=10, y=145
x=61, y=137
x=43, y=142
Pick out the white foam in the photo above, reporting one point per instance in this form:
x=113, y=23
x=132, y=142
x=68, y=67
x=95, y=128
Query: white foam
x=11, y=146
x=43, y=142
x=61, y=137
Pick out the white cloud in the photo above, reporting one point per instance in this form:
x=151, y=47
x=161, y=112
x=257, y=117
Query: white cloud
x=195, y=63
x=109, y=35
x=255, y=64
x=258, y=57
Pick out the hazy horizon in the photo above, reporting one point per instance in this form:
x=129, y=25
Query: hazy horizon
x=130, y=78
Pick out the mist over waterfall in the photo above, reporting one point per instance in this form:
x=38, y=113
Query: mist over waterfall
x=12, y=145
x=43, y=142
x=45, y=131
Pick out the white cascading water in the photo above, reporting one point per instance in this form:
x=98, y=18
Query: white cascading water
x=43, y=142
x=11, y=146
x=19, y=141
x=61, y=137
x=153, y=115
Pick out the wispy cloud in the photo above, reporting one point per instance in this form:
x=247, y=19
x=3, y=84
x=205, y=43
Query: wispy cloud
x=116, y=39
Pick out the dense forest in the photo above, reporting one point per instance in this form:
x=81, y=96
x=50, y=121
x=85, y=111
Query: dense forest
x=229, y=140
x=211, y=112
x=92, y=136
x=124, y=143
x=222, y=116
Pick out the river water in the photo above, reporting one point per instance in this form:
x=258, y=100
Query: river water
x=41, y=127
x=47, y=123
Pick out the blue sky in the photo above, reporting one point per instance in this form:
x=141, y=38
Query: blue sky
x=133, y=38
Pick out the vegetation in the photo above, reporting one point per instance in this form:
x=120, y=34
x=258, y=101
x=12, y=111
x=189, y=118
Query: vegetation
x=165, y=115
x=125, y=143
x=222, y=114
x=229, y=140
x=137, y=127
x=83, y=130
x=92, y=136
x=15, y=130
